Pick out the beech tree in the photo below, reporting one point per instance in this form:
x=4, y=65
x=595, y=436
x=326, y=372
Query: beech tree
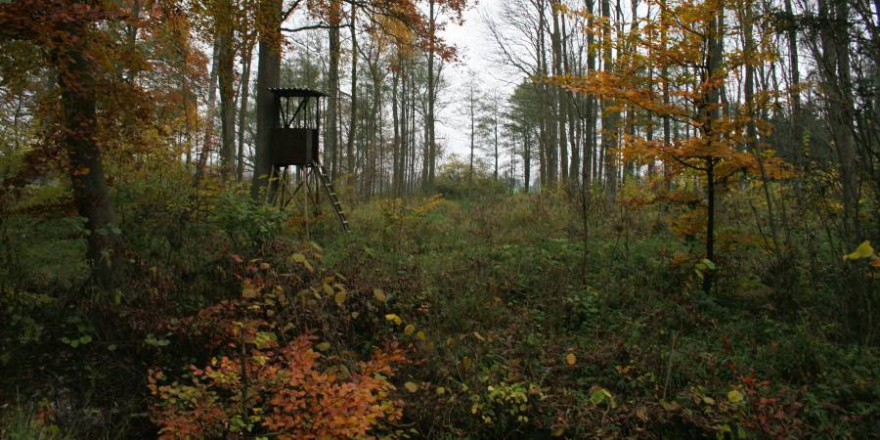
x=693, y=42
x=67, y=30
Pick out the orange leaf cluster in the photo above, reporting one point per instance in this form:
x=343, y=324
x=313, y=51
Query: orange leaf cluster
x=289, y=393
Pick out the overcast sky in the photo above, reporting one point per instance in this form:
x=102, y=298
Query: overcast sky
x=477, y=53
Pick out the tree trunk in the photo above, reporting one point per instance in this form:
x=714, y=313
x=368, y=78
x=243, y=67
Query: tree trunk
x=242, y=114
x=495, y=130
x=609, y=117
x=712, y=115
x=90, y=192
x=268, y=75
x=395, y=152
x=472, y=102
x=226, y=76
x=331, y=132
x=352, y=126
x=208, y=144
x=746, y=18
x=590, y=123
x=664, y=74
x=558, y=96
x=429, y=123
x=527, y=157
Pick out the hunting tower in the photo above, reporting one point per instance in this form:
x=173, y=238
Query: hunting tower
x=295, y=140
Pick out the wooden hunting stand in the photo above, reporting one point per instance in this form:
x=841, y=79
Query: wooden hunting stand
x=295, y=139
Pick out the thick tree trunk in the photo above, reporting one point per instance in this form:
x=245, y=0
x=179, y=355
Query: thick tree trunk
x=226, y=76
x=429, y=123
x=90, y=192
x=352, y=125
x=331, y=130
x=268, y=75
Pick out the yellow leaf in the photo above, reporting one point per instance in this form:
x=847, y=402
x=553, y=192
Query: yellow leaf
x=421, y=335
x=570, y=359
x=863, y=251
x=409, y=329
x=248, y=291
x=354, y=315
x=734, y=396
x=339, y=298
x=391, y=317
x=642, y=413
x=558, y=431
x=441, y=391
x=324, y=346
x=411, y=386
x=301, y=259
x=379, y=294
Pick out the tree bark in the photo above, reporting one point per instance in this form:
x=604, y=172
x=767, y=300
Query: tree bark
x=268, y=75
x=226, y=77
x=560, y=152
x=90, y=192
x=432, y=142
x=243, y=109
x=395, y=119
x=352, y=125
x=609, y=116
x=208, y=143
x=331, y=131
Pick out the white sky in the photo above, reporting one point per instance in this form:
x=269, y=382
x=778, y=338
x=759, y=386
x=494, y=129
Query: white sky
x=477, y=53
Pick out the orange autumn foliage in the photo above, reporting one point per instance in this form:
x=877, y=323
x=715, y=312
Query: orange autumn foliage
x=289, y=393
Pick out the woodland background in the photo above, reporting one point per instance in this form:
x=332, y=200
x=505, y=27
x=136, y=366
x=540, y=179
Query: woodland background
x=664, y=231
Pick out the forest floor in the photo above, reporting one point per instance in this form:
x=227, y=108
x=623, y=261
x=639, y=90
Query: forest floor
x=510, y=321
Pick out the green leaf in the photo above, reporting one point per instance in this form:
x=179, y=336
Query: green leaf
x=601, y=395
x=863, y=251
x=734, y=396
